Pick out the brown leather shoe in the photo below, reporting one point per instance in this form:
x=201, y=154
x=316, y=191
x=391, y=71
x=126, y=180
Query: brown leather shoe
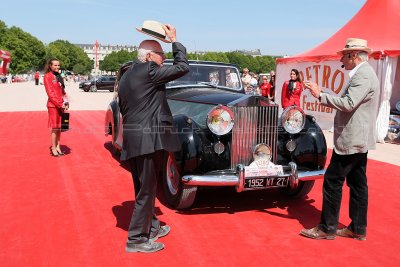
x=345, y=232
x=316, y=233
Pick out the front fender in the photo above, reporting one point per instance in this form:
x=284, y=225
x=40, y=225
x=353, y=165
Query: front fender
x=197, y=154
x=311, y=148
x=188, y=157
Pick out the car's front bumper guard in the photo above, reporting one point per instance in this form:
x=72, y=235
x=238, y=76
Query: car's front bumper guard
x=237, y=179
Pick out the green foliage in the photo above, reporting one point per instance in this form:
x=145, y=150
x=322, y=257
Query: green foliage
x=3, y=28
x=112, y=61
x=259, y=64
x=169, y=55
x=80, y=68
x=70, y=56
x=27, y=52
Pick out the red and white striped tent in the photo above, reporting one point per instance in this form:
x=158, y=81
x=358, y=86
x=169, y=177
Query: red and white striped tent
x=376, y=22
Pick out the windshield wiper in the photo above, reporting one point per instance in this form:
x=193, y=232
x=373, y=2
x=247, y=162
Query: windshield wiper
x=210, y=84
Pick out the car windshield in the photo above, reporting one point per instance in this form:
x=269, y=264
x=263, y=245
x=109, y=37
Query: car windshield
x=216, y=76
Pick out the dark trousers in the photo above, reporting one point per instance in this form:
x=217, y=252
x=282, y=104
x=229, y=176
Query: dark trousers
x=146, y=170
x=353, y=169
x=36, y=81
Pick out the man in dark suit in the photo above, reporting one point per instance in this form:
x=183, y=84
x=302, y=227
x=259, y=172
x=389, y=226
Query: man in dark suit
x=354, y=135
x=148, y=133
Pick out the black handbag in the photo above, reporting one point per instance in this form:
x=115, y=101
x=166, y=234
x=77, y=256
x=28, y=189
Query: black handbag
x=64, y=121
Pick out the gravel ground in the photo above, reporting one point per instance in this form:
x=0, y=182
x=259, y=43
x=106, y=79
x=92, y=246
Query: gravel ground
x=26, y=96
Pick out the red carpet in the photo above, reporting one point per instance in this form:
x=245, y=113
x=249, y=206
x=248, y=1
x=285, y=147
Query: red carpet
x=75, y=210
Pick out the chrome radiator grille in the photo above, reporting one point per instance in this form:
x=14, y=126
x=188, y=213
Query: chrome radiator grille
x=253, y=125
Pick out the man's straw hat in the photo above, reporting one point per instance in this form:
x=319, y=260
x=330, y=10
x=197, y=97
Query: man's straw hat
x=154, y=29
x=355, y=44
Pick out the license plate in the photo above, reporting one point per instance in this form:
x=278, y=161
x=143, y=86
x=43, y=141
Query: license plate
x=265, y=182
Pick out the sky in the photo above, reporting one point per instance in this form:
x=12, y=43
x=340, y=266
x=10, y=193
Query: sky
x=279, y=27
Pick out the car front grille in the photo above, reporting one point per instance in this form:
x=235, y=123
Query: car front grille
x=253, y=125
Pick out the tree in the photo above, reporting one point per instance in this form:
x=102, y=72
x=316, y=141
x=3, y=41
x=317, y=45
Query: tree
x=27, y=51
x=260, y=64
x=3, y=28
x=112, y=61
x=234, y=58
x=80, y=69
x=70, y=56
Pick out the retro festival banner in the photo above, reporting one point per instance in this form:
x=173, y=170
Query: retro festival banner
x=329, y=75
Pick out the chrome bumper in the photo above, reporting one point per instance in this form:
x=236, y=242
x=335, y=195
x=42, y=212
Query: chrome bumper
x=237, y=179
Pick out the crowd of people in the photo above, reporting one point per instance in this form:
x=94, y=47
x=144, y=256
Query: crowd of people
x=253, y=85
x=265, y=86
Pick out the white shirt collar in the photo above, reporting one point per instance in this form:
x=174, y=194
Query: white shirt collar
x=353, y=71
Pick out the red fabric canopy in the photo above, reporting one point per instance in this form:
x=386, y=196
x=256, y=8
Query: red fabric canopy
x=376, y=22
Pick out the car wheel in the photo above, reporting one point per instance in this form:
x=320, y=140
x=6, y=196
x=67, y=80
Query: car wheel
x=93, y=88
x=86, y=89
x=111, y=90
x=301, y=191
x=175, y=193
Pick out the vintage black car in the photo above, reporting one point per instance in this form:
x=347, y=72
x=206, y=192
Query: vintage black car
x=100, y=83
x=231, y=139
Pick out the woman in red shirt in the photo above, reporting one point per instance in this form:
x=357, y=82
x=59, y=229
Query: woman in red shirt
x=291, y=90
x=265, y=87
x=272, y=83
x=56, y=103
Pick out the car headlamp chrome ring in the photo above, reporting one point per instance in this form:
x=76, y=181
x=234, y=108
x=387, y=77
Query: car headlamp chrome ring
x=220, y=120
x=262, y=152
x=293, y=119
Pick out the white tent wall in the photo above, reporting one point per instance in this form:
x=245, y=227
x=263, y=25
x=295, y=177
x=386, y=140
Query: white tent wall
x=386, y=70
x=332, y=78
x=396, y=86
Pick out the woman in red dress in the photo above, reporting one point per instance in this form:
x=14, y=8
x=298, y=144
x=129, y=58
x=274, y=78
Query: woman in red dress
x=56, y=103
x=291, y=90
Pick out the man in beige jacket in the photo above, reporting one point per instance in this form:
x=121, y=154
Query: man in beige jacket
x=354, y=135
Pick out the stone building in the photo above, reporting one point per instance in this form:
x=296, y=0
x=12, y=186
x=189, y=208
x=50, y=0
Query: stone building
x=253, y=53
x=102, y=51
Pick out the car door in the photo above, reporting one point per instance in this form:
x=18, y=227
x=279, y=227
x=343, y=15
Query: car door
x=111, y=82
x=99, y=83
x=108, y=84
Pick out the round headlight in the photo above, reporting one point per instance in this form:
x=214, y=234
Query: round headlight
x=293, y=119
x=220, y=120
x=262, y=152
